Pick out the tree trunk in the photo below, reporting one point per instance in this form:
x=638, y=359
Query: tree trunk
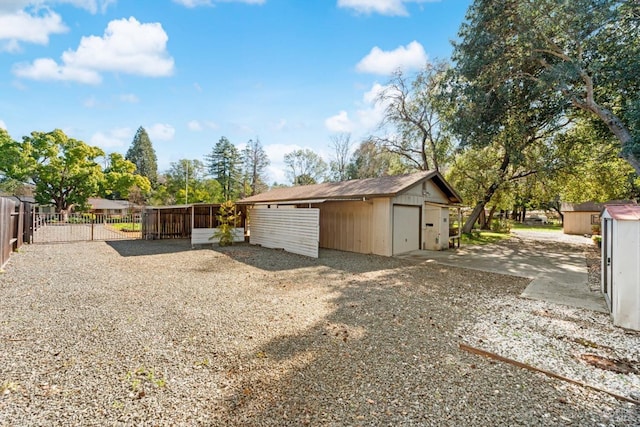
x=482, y=219
x=479, y=208
x=489, y=218
x=475, y=214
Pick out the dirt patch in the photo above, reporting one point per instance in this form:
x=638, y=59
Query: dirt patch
x=613, y=365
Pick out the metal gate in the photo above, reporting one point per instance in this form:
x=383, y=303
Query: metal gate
x=80, y=227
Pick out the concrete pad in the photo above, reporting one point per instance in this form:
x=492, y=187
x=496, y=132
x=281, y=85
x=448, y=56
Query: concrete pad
x=558, y=272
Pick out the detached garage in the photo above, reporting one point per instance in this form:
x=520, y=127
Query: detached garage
x=384, y=216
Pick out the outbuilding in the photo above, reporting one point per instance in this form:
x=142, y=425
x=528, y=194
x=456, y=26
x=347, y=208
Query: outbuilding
x=580, y=218
x=385, y=216
x=620, y=263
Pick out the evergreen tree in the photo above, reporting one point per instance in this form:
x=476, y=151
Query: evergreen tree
x=255, y=163
x=224, y=165
x=142, y=154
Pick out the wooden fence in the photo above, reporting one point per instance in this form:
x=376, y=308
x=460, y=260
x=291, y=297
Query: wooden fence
x=176, y=222
x=16, y=226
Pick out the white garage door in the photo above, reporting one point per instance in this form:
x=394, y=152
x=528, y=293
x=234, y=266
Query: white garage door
x=406, y=229
x=294, y=230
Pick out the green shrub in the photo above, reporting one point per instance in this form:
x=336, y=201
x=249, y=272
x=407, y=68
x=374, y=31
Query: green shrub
x=227, y=217
x=501, y=225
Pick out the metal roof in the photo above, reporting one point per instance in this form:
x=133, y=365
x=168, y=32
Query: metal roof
x=385, y=186
x=624, y=212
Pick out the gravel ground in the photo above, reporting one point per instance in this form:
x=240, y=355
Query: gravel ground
x=154, y=333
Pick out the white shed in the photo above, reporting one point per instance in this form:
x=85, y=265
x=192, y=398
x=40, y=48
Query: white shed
x=388, y=215
x=621, y=263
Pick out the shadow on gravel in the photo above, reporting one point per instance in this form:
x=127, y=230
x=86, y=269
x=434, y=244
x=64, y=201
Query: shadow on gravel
x=337, y=260
x=388, y=355
x=127, y=248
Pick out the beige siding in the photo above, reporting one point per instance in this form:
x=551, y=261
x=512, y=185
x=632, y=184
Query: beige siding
x=346, y=226
x=577, y=222
x=382, y=226
x=294, y=230
x=415, y=195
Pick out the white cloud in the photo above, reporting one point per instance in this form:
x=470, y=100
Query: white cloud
x=372, y=94
x=127, y=46
x=406, y=58
x=3, y=125
x=161, y=131
x=339, y=123
x=48, y=69
x=193, y=3
x=113, y=138
x=196, y=3
x=197, y=125
x=20, y=26
x=194, y=125
x=367, y=116
x=372, y=112
x=277, y=168
x=91, y=5
x=383, y=7
x=280, y=126
x=129, y=98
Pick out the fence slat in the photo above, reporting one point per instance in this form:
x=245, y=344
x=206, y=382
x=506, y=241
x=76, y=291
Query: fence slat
x=7, y=209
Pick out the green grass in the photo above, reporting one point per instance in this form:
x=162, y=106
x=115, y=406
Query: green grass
x=537, y=227
x=127, y=226
x=482, y=238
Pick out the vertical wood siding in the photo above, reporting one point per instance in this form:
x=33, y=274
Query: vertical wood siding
x=346, y=226
x=577, y=222
x=294, y=230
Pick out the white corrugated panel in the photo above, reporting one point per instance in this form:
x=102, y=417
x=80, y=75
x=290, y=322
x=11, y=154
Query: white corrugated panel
x=294, y=230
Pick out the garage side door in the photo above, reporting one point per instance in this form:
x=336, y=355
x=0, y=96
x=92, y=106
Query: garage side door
x=294, y=230
x=406, y=228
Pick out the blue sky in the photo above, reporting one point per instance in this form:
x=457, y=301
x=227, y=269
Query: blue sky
x=289, y=72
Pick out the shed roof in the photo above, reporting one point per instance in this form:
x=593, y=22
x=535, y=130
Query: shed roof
x=624, y=212
x=590, y=206
x=384, y=186
x=98, y=203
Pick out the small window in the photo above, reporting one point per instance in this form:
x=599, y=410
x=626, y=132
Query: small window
x=595, y=219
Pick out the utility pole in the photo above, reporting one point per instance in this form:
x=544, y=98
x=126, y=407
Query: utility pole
x=186, y=182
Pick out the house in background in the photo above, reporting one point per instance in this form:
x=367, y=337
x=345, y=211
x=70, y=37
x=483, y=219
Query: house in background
x=386, y=216
x=111, y=207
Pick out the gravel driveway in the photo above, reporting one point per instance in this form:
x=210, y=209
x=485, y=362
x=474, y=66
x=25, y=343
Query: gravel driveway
x=155, y=333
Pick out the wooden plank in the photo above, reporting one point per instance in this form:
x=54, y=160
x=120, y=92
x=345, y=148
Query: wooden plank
x=294, y=230
x=7, y=209
x=490, y=355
